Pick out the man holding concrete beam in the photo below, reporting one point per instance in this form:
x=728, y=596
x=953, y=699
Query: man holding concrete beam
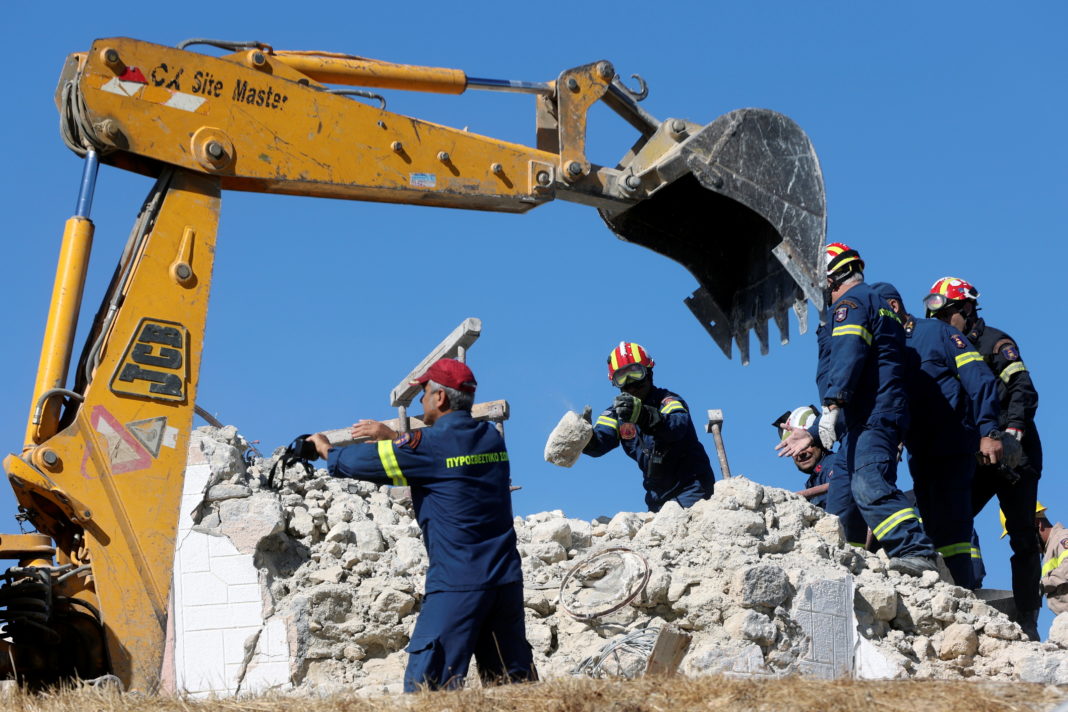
x=654, y=427
x=459, y=478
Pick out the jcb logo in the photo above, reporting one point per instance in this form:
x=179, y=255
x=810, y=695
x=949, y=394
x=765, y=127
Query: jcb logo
x=156, y=363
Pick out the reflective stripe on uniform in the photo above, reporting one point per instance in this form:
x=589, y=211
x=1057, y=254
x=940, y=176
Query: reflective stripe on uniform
x=389, y=463
x=1049, y=566
x=608, y=422
x=1010, y=370
x=976, y=554
x=967, y=357
x=888, y=524
x=892, y=315
x=852, y=330
x=963, y=547
x=671, y=407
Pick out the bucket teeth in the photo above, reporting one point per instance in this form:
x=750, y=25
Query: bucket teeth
x=801, y=312
x=782, y=321
x=740, y=204
x=761, y=329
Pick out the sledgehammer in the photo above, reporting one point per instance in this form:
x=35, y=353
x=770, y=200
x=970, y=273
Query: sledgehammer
x=715, y=426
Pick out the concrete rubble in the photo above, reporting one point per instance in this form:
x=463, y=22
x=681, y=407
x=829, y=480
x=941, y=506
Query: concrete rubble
x=763, y=581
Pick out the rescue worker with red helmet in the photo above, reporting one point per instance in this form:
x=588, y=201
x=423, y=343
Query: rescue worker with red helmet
x=654, y=427
x=953, y=414
x=956, y=302
x=861, y=375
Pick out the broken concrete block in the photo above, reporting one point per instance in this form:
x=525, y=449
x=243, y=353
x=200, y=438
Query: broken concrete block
x=881, y=599
x=824, y=611
x=1058, y=632
x=225, y=490
x=567, y=439
x=557, y=530
x=764, y=585
x=958, y=639
x=752, y=626
x=250, y=520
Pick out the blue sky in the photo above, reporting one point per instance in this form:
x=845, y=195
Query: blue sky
x=939, y=127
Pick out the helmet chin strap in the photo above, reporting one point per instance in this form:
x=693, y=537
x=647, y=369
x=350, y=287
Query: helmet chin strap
x=835, y=283
x=970, y=319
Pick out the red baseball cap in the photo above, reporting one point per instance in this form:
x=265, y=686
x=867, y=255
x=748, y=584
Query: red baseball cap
x=450, y=373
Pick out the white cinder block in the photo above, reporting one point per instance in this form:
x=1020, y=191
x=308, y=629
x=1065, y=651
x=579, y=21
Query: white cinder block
x=192, y=553
x=260, y=677
x=221, y=546
x=234, y=644
x=202, y=589
x=235, y=570
x=196, y=478
x=224, y=616
x=245, y=593
x=202, y=669
x=273, y=641
x=185, y=513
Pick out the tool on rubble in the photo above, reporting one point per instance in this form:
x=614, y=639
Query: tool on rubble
x=739, y=202
x=715, y=426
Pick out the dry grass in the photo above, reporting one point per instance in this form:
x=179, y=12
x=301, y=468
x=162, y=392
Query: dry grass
x=650, y=695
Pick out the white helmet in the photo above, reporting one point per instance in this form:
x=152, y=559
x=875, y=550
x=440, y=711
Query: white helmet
x=801, y=417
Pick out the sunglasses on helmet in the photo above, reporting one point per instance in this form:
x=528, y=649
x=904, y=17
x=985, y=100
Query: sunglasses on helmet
x=631, y=373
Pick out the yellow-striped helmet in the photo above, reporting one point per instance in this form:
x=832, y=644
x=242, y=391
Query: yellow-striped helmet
x=1039, y=509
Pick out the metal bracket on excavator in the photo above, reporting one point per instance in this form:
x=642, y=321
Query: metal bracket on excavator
x=740, y=204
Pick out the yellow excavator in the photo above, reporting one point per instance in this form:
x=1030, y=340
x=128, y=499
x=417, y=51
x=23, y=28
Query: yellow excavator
x=739, y=202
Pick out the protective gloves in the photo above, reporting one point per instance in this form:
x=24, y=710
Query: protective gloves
x=828, y=421
x=1016, y=433
x=587, y=414
x=630, y=410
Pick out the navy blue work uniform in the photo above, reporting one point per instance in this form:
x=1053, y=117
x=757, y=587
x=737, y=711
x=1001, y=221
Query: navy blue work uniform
x=1019, y=402
x=818, y=476
x=952, y=402
x=459, y=479
x=862, y=371
x=673, y=462
x=839, y=500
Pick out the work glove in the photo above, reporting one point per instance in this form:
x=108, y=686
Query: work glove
x=630, y=410
x=587, y=414
x=1016, y=433
x=828, y=423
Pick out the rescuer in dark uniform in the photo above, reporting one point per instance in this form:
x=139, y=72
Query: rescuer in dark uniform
x=953, y=412
x=654, y=426
x=459, y=479
x=955, y=302
x=824, y=467
x=861, y=375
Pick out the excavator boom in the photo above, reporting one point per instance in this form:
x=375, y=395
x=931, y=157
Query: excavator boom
x=738, y=202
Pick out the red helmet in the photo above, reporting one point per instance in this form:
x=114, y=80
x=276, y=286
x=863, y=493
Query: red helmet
x=948, y=290
x=839, y=255
x=626, y=354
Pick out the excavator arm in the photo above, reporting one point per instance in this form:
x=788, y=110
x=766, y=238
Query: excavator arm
x=738, y=202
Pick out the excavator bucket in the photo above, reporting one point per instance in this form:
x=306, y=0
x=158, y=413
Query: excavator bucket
x=740, y=204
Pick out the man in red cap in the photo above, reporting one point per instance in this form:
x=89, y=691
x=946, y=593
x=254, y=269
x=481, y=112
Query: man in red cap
x=459, y=478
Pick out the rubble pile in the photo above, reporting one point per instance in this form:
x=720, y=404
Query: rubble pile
x=341, y=567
